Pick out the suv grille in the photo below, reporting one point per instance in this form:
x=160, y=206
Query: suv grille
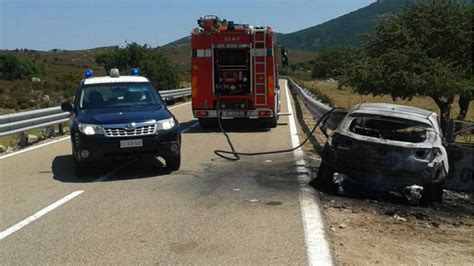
x=130, y=130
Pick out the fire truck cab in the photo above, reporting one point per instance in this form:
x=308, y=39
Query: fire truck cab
x=233, y=72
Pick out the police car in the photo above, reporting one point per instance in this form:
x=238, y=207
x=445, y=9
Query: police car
x=121, y=116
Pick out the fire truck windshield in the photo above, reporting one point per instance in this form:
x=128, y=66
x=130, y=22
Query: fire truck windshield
x=236, y=57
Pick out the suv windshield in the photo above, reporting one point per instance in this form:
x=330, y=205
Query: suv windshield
x=111, y=95
x=390, y=128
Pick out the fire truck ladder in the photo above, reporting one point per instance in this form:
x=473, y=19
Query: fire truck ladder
x=260, y=66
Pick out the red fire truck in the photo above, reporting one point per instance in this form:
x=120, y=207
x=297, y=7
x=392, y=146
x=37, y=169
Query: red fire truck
x=233, y=71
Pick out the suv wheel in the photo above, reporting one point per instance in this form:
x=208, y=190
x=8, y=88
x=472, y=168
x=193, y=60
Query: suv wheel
x=83, y=170
x=173, y=163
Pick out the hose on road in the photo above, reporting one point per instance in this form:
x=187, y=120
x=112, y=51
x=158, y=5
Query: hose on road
x=234, y=155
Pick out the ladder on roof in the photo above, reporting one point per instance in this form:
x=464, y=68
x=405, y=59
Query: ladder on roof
x=260, y=66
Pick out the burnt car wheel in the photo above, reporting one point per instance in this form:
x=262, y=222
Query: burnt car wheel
x=432, y=193
x=324, y=180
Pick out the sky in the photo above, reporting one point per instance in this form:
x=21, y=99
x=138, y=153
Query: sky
x=76, y=25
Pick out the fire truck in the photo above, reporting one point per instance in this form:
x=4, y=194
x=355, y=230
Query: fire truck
x=233, y=72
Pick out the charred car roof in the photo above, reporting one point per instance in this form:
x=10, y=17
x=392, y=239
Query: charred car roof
x=397, y=111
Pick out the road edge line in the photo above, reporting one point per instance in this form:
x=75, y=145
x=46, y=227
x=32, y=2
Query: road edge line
x=179, y=105
x=12, y=229
x=33, y=148
x=317, y=247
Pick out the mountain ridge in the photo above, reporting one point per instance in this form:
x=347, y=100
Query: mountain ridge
x=345, y=30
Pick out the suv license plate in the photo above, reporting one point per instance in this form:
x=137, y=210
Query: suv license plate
x=131, y=143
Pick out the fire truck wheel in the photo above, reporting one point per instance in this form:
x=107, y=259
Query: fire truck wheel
x=207, y=123
x=272, y=122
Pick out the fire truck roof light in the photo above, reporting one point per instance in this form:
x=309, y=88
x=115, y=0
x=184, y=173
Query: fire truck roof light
x=114, y=72
x=88, y=73
x=230, y=23
x=134, y=72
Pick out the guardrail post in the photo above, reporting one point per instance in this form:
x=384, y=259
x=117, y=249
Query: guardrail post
x=61, y=129
x=49, y=131
x=23, y=141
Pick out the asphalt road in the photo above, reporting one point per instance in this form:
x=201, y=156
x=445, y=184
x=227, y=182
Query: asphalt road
x=211, y=211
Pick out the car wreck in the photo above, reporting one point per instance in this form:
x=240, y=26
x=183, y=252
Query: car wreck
x=386, y=147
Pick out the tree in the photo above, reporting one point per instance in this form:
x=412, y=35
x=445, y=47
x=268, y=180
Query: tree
x=153, y=63
x=424, y=50
x=12, y=68
x=329, y=62
x=162, y=73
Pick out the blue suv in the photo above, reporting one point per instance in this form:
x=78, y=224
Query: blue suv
x=121, y=116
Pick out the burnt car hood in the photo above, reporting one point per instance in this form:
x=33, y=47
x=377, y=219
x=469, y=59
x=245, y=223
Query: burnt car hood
x=122, y=115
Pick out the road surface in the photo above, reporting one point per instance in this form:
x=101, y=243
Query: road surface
x=211, y=211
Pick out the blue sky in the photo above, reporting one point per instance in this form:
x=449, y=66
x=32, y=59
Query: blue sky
x=68, y=24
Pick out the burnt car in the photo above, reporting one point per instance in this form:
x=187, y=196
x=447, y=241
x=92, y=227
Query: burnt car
x=386, y=147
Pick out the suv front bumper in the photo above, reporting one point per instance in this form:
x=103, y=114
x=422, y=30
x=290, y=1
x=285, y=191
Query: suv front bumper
x=100, y=147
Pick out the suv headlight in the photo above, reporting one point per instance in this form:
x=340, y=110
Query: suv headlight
x=165, y=124
x=90, y=129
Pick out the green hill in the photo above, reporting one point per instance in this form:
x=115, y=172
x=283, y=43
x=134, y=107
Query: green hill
x=183, y=40
x=346, y=30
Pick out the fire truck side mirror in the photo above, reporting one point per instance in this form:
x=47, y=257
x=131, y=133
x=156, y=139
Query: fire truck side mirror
x=284, y=57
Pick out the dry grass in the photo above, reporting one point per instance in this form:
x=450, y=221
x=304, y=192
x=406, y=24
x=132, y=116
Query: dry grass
x=6, y=111
x=12, y=140
x=297, y=56
x=346, y=98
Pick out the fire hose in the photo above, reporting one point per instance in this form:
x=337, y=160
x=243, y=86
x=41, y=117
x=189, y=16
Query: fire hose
x=234, y=155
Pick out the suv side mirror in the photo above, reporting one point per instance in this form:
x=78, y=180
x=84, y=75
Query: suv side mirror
x=67, y=107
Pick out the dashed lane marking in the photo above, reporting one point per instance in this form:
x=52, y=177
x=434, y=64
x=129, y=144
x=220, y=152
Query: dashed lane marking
x=12, y=229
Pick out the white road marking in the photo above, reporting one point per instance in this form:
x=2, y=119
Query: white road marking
x=12, y=229
x=317, y=246
x=58, y=140
x=190, y=127
x=179, y=105
x=33, y=148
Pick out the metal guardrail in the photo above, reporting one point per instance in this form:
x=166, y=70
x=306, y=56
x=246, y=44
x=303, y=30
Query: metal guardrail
x=175, y=94
x=23, y=121
x=316, y=107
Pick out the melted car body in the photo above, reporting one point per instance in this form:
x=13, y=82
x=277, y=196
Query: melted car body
x=385, y=147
